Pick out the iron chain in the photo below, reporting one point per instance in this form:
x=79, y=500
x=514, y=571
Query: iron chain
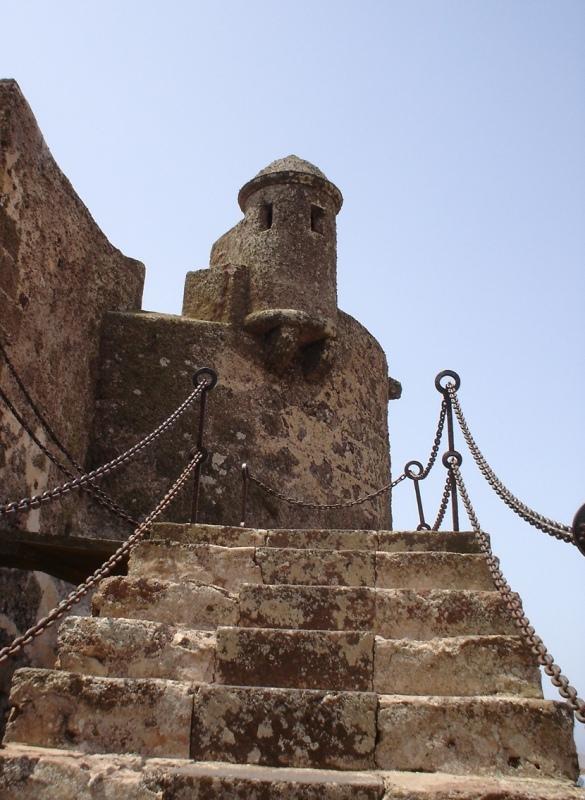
x=436, y=442
x=77, y=594
x=90, y=489
x=444, y=504
x=304, y=504
x=555, y=529
x=514, y=606
x=27, y=503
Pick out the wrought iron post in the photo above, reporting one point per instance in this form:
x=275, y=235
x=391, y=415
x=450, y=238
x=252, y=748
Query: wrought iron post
x=451, y=452
x=579, y=529
x=245, y=486
x=210, y=377
x=416, y=477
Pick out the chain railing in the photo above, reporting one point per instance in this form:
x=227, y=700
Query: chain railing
x=81, y=591
x=556, y=529
x=454, y=487
x=515, y=607
x=203, y=381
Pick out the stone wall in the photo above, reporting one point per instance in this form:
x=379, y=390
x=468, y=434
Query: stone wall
x=318, y=432
x=58, y=275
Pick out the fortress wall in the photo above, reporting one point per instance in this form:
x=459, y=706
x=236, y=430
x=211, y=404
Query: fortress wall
x=317, y=433
x=58, y=275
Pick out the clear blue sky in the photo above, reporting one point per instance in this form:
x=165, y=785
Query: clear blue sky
x=456, y=132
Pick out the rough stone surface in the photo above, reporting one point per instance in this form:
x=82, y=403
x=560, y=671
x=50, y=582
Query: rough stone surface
x=53, y=257
x=323, y=608
x=483, y=735
x=441, y=786
x=318, y=430
x=325, y=539
x=31, y=773
x=401, y=541
x=100, y=715
x=124, y=648
x=432, y=571
x=461, y=665
x=34, y=773
x=287, y=727
x=203, y=607
x=316, y=567
x=296, y=659
x=426, y=614
x=222, y=535
x=229, y=567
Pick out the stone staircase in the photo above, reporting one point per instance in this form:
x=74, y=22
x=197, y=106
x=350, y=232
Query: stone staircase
x=239, y=663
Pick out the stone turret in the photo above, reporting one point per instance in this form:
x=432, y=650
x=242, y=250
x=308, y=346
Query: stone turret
x=275, y=271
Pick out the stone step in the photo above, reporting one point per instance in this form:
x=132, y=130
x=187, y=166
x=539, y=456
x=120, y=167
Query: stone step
x=429, y=570
x=33, y=773
x=228, y=567
x=391, y=613
x=100, y=715
x=483, y=735
x=303, y=659
x=448, y=541
x=308, y=538
x=438, y=613
x=444, y=786
x=462, y=665
x=182, y=604
x=295, y=659
x=284, y=727
x=131, y=648
x=316, y=567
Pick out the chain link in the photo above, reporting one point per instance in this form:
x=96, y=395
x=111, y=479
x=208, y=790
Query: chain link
x=77, y=594
x=516, y=609
x=27, y=503
x=304, y=504
x=444, y=504
x=95, y=491
x=436, y=442
x=555, y=529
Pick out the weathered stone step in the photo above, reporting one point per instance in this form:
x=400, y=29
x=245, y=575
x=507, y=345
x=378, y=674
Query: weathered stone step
x=391, y=613
x=417, y=541
x=483, y=735
x=429, y=570
x=284, y=727
x=462, y=665
x=390, y=541
x=444, y=786
x=33, y=773
x=188, y=604
x=228, y=567
x=295, y=659
x=100, y=715
x=316, y=567
x=131, y=648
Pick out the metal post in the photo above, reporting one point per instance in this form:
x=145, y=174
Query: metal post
x=451, y=452
x=579, y=529
x=210, y=377
x=245, y=485
x=415, y=478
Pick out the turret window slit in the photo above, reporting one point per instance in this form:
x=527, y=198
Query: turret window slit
x=317, y=219
x=265, y=216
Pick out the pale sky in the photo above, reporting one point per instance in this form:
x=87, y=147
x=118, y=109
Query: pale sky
x=455, y=130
